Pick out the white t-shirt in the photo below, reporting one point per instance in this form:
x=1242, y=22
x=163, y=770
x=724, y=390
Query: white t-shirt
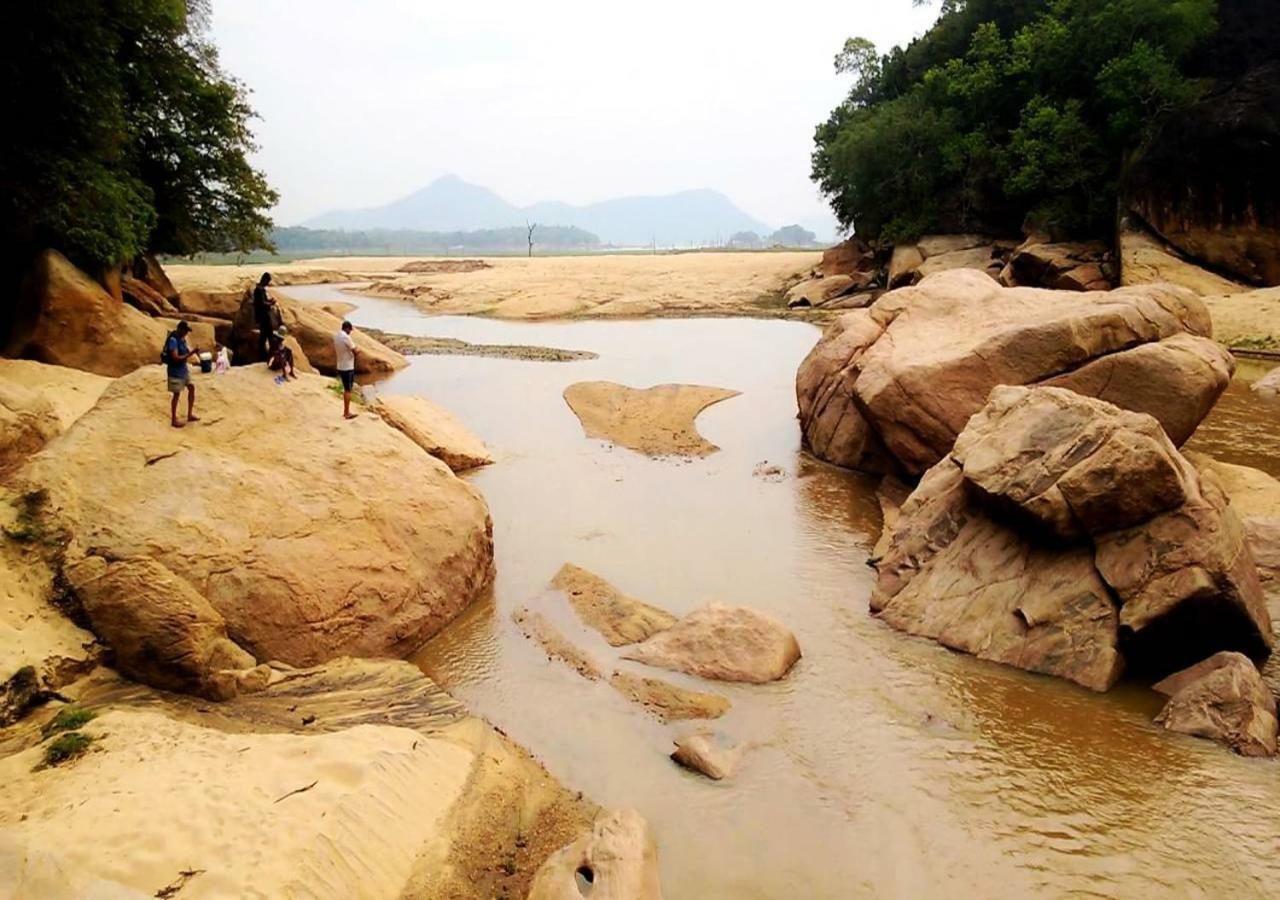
x=344, y=349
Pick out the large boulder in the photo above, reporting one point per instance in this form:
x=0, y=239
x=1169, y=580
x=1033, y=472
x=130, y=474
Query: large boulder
x=892, y=386
x=160, y=630
x=144, y=298
x=215, y=304
x=68, y=319
x=1064, y=266
x=617, y=860
x=954, y=574
x=147, y=269
x=312, y=536
x=1133, y=555
x=1222, y=698
x=849, y=256
x=435, y=430
x=725, y=643
x=70, y=392
x=314, y=329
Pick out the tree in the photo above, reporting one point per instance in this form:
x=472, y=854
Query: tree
x=529, y=228
x=744, y=239
x=126, y=136
x=1006, y=110
x=793, y=236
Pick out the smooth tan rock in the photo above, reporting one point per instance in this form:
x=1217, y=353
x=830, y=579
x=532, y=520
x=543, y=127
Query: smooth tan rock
x=144, y=298
x=1187, y=582
x=1145, y=260
x=312, y=536
x=27, y=422
x=1268, y=385
x=1223, y=699
x=161, y=631
x=723, y=643
x=891, y=494
x=702, y=753
x=848, y=256
x=313, y=328
x=1072, y=464
x=980, y=259
x=931, y=245
x=76, y=323
x=905, y=375
x=147, y=269
x=435, y=430
x=656, y=421
x=1065, y=266
x=620, y=619
x=817, y=291
x=904, y=265
x=70, y=392
x=618, y=860
x=953, y=574
x=215, y=304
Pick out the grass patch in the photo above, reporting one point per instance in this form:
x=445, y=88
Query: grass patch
x=1256, y=342
x=27, y=527
x=66, y=746
x=70, y=718
x=357, y=393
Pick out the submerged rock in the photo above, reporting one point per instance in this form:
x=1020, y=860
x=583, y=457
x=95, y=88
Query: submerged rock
x=312, y=536
x=723, y=643
x=667, y=701
x=1222, y=698
x=617, y=860
x=620, y=619
x=701, y=753
x=536, y=627
x=435, y=430
x=893, y=385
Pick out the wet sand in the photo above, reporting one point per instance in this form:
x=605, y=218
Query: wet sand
x=882, y=765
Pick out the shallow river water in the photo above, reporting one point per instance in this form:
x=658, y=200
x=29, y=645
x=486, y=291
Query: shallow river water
x=883, y=765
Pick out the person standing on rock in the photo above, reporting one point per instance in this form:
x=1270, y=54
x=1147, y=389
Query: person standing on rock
x=344, y=351
x=176, y=354
x=265, y=314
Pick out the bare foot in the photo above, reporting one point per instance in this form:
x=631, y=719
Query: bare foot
x=191, y=418
x=176, y=424
x=350, y=416
x=293, y=375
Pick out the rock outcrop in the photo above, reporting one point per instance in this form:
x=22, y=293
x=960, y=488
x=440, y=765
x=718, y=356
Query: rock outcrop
x=70, y=393
x=313, y=537
x=723, y=643
x=435, y=430
x=620, y=618
x=27, y=423
x=313, y=328
x=1144, y=259
x=1065, y=536
x=161, y=632
x=70, y=320
x=618, y=860
x=890, y=387
x=1062, y=266
x=1222, y=698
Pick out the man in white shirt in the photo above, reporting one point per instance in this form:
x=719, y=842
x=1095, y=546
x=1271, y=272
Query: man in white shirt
x=344, y=351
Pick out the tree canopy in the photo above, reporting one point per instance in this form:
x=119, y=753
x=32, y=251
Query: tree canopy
x=125, y=136
x=1005, y=112
x=793, y=236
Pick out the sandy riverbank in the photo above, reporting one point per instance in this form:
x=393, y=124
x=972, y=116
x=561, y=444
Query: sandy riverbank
x=551, y=286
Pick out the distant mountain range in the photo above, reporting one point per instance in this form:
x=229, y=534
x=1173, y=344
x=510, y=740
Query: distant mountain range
x=698, y=217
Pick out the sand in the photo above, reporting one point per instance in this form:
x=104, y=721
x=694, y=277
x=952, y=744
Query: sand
x=1250, y=319
x=409, y=345
x=545, y=287
x=657, y=421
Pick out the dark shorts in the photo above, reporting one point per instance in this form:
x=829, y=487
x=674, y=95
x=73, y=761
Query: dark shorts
x=348, y=379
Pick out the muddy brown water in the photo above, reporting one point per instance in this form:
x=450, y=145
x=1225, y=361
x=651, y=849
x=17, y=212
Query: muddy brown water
x=884, y=765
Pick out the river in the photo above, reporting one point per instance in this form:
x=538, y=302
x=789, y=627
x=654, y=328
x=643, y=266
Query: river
x=884, y=765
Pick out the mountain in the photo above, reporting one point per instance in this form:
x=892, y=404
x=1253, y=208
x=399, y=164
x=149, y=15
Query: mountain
x=698, y=217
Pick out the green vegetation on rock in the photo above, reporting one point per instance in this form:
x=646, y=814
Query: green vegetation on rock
x=65, y=746
x=126, y=136
x=1007, y=112
x=70, y=718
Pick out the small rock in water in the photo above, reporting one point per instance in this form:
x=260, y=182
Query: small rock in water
x=725, y=643
x=767, y=471
x=1222, y=698
x=702, y=753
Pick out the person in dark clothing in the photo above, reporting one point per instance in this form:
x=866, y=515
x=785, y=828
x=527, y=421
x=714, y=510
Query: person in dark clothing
x=281, y=359
x=264, y=314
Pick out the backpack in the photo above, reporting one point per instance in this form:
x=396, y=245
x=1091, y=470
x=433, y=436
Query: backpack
x=164, y=351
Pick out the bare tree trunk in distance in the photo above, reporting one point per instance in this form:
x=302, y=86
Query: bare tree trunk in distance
x=530, y=235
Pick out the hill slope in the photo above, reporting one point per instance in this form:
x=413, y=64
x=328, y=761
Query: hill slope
x=451, y=204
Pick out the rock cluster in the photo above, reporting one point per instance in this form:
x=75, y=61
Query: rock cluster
x=1066, y=536
x=890, y=387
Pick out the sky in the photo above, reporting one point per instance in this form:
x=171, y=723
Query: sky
x=361, y=103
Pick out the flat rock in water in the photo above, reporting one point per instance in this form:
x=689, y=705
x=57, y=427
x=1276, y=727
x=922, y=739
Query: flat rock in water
x=667, y=701
x=723, y=643
x=657, y=421
x=701, y=753
x=536, y=627
x=1222, y=698
x=621, y=619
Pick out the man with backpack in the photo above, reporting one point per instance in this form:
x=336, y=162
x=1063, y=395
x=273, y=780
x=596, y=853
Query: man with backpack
x=175, y=356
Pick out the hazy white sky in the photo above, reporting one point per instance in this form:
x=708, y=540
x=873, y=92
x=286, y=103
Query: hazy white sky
x=573, y=100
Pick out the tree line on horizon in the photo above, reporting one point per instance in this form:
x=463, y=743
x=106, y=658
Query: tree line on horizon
x=296, y=239
x=1014, y=114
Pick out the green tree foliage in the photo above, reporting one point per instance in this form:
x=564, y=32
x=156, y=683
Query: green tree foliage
x=1006, y=111
x=123, y=135
x=793, y=236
